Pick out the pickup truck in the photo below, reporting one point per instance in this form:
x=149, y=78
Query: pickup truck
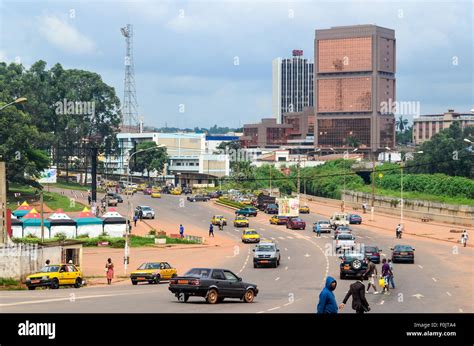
x=212, y=284
x=339, y=219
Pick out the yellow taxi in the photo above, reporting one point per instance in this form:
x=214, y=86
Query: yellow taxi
x=241, y=221
x=246, y=201
x=55, y=275
x=153, y=273
x=250, y=236
x=155, y=189
x=216, y=220
x=111, y=183
x=141, y=187
x=176, y=191
x=304, y=209
x=129, y=191
x=155, y=195
x=278, y=220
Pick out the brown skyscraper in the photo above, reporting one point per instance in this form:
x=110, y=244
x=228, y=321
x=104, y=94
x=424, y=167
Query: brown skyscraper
x=354, y=77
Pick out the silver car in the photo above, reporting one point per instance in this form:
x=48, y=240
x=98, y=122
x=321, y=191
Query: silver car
x=148, y=212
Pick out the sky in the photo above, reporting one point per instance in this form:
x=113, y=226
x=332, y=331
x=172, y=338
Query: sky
x=200, y=63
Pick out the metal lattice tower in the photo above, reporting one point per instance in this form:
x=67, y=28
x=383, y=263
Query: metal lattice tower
x=130, y=104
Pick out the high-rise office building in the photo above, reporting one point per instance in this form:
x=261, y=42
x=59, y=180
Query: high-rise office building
x=354, y=82
x=292, y=84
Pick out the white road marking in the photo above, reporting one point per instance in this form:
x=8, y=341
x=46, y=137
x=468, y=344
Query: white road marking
x=272, y=238
x=286, y=268
x=278, y=278
x=324, y=236
x=260, y=312
x=286, y=249
x=289, y=258
x=460, y=310
x=381, y=303
x=289, y=237
x=287, y=303
x=434, y=279
x=449, y=294
x=421, y=267
x=277, y=307
x=307, y=255
x=281, y=237
x=418, y=295
x=384, y=255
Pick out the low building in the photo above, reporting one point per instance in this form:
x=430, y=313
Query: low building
x=426, y=126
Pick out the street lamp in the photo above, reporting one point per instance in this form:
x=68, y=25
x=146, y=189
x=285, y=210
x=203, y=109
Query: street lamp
x=17, y=101
x=468, y=141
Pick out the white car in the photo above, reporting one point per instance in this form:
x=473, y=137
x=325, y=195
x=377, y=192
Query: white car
x=148, y=212
x=345, y=241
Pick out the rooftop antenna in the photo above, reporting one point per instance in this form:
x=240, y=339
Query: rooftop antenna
x=130, y=120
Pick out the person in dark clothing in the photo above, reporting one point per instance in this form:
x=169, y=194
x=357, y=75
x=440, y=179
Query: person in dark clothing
x=386, y=272
x=327, y=302
x=359, y=303
x=211, y=230
x=140, y=215
x=135, y=219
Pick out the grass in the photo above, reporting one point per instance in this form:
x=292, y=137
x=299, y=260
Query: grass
x=71, y=186
x=51, y=199
x=10, y=284
x=417, y=195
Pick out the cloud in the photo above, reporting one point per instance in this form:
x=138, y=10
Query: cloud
x=64, y=36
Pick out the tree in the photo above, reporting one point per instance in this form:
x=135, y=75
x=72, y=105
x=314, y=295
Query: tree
x=353, y=142
x=149, y=160
x=405, y=137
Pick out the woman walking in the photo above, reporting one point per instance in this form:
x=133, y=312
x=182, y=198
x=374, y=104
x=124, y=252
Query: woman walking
x=109, y=268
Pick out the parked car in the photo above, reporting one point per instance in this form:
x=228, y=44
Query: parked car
x=345, y=242
x=372, y=253
x=187, y=191
x=271, y=209
x=339, y=219
x=295, y=223
x=215, y=194
x=241, y=221
x=266, y=253
x=176, y=191
x=304, y=209
x=279, y=220
x=198, y=198
x=403, y=253
x=325, y=226
x=148, y=212
x=216, y=219
x=352, y=264
x=56, y=275
x=355, y=219
x=247, y=211
x=214, y=285
x=250, y=236
x=153, y=273
x=116, y=196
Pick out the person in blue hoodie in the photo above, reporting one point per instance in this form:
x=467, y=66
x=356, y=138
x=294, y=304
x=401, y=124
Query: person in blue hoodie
x=327, y=302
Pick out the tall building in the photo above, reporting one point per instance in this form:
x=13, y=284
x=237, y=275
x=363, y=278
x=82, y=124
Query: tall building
x=292, y=84
x=354, y=78
x=426, y=126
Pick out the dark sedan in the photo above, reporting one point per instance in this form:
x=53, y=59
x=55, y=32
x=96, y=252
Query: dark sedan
x=212, y=284
x=198, y=198
x=403, y=253
x=355, y=219
x=372, y=253
x=116, y=196
x=295, y=223
x=271, y=209
x=352, y=264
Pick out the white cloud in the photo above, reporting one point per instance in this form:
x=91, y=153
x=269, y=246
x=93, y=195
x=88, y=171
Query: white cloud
x=64, y=36
x=3, y=56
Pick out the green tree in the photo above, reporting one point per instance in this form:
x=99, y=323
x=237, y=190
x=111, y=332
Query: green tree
x=149, y=160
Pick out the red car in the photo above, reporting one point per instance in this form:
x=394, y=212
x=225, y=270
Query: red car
x=147, y=191
x=295, y=223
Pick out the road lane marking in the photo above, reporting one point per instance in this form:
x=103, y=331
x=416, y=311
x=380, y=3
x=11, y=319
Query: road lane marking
x=307, y=255
x=383, y=301
x=286, y=249
x=289, y=303
x=449, y=294
x=260, y=312
x=272, y=238
x=277, y=307
x=434, y=279
x=289, y=258
x=281, y=237
x=289, y=237
x=278, y=278
x=421, y=267
x=286, y=268
x=460, y=310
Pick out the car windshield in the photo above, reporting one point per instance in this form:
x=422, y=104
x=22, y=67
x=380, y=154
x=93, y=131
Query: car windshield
x=146, y=208
x=323, y=222
x=371, y=249
x=149, y=266
x=268, y=247
x=353, y=256
x=241, y=218
x=345, y=237
x=282, y=217
x=272, y=206
x=250, y=232
x=296, y=219
x=218, y=217
x=198, y=272
x=49, y=269
x=403, y=248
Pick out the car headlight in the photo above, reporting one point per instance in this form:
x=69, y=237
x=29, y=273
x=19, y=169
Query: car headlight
x=28, y=279
x=45, y=278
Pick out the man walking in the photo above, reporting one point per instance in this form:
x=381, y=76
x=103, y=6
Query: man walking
x=386, y=275
x=318, y=230
x=327, y=302
x=464, y=238
x=371, y=274
x=135, y=219
x=391, y=282
x=211, y=230
x=221, y=225
x=181, y=231
x=359, y=303
x=140, y=214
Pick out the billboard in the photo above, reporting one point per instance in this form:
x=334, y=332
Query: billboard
x=48, y=176
x=288, y=206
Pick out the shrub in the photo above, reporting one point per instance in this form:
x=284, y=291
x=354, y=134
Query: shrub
x=61, y=236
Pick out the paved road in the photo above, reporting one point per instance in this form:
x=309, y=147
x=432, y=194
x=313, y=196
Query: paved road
x=441, y=280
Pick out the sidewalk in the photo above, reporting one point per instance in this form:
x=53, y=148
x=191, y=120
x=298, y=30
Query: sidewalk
x=388, y=223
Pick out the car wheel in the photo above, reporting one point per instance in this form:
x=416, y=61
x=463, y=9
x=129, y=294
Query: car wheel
x=31, y=288
x=134, y=282
x=275, y=265
x=55, y=284
x=220, y=299
x=342, y=276
x=278, y=262
x=157, y=280
x=255, y=265
x=152, y=217
x=249, y=296
x=78, y=283
x=212, y=296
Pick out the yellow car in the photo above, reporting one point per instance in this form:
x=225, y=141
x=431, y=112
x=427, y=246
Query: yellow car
x=153, y=272
x=141, y=187
x=155, y=195
x=176, y=191
x=111, y=184
x=304, y=209
x=250, y=236
x=55, y=275
x=216, y=219
x=278, y=220
x=246, y=201
x=129, y=191
x=241, y=221
x=155, y=189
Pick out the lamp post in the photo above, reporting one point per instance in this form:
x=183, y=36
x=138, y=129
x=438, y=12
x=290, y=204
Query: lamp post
x=17, y=101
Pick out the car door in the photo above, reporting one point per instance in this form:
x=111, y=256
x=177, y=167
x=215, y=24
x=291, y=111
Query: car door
x=235, y=288
x=218, y=280
x=72, y=273
x=63, y=275
x=168, y=270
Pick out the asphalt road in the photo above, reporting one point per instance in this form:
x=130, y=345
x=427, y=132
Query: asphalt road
x=441, y=280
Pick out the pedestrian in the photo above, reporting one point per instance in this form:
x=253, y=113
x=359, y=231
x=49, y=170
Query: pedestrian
x=365, y=207
x=211, y=230
x=327, y=302
x=135, y=219
x=109, y=268
x=386, y=275
x=181, y=231
x=221, y=225
x=359, y=302
x=371, y=275
x=89, y=198
x=397, y=231
x=140, y=215
x=391, y=282
x=318, y=230
x=464, y=238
